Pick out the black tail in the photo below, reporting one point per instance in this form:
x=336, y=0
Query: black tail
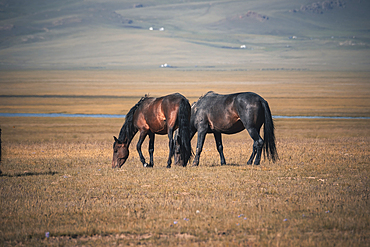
x=183, y=119
x=269, y=136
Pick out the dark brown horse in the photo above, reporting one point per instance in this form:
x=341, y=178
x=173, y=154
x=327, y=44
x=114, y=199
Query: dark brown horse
x=230, y=114
x=152, y=116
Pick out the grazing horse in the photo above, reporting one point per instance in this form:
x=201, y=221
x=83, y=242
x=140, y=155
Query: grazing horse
x=152, y=116
x=230, y=114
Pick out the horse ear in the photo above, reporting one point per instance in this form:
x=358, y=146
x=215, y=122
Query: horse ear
x=115, y=139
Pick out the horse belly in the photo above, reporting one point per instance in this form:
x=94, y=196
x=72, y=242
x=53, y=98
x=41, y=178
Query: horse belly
x=157, y=122
x=158, y=127
x=162, y=131
x=232, y=129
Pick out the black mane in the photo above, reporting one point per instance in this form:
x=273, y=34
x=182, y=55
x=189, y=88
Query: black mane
x=128, y=130
x=201, y=97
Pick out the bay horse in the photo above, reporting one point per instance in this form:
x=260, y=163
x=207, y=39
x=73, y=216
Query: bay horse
x=152, y=116
x=230, y=114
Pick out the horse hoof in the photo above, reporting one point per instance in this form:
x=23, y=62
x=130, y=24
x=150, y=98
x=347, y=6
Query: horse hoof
x=168, y=166
x=145, y=165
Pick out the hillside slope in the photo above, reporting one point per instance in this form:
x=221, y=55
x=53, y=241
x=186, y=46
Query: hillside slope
x=265, y=34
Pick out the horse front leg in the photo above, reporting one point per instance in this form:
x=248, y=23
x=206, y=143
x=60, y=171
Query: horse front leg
x=138, y=147
x=151, y=148
x=178, y=159
x=200, y=143
x=220, y=147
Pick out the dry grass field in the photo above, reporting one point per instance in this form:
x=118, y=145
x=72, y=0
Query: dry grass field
x=57, y=178
x=115, y=92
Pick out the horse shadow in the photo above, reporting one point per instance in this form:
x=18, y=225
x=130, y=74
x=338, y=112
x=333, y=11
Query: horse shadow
x=228, y=164
x=26, y=174
x=234, y=164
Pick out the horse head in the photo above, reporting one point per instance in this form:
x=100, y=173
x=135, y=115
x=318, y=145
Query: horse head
x=120, y=153
x=177, y=151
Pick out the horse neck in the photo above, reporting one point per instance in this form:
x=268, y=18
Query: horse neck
x=130, y=137
x=128, y=130
x=127, y=133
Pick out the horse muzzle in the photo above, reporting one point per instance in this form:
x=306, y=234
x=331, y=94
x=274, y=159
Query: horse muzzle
x=119, y=163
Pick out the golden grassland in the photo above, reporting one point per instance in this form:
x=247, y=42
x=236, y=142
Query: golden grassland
x=288, y=92
x=57, y=174
x=59, y=180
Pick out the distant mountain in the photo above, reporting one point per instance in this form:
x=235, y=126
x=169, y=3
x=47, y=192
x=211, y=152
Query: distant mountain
x=256, y=34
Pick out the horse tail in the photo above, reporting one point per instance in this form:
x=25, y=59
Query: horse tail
x=269, y=146
x=183, y=118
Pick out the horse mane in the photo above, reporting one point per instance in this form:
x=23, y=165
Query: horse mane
x=201, y=97
x=128, y=130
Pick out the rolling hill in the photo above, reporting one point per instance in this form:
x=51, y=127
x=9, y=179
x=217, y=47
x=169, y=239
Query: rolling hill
x=189, y=35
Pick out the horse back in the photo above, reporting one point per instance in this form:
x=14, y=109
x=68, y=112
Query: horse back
x=223, y=113
x=216, y=113
x=157, y=114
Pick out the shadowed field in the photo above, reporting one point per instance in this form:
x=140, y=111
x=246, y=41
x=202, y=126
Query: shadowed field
x=57, y=176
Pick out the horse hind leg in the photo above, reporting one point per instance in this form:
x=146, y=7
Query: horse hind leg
x=171, y=147
x=257, y=146
x=254, y=152
x=151, y=149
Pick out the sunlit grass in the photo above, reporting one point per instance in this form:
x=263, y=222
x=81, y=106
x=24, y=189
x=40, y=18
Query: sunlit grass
x=57, y=176
x=316, y=194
